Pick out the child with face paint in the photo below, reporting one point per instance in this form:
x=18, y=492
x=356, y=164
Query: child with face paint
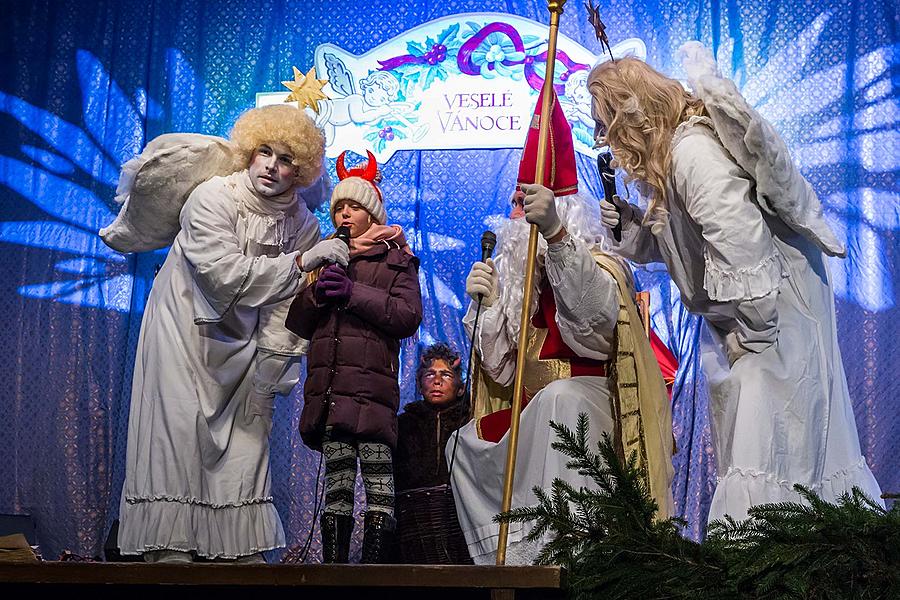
x=427, y=525
x=355, y=318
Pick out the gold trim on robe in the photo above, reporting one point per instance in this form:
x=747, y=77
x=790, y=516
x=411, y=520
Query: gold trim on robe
x=640, y=404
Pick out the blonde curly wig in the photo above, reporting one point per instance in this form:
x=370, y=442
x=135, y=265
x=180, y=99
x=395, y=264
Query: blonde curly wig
x=640, y=109
x=284, y=124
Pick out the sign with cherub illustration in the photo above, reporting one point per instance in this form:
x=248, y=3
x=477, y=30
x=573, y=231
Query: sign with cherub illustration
x=459, y=82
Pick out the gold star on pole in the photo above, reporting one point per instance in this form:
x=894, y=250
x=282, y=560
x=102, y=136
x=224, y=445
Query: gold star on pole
x=306, y=90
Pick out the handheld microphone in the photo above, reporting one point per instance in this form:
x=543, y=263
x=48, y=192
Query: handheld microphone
x=488, y=242
x=608, y=179
x=343, y=234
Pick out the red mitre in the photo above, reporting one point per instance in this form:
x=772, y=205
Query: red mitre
x=560, y=173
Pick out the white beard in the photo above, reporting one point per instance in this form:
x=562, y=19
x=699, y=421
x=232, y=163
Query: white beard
x=512, y=242
x=580, y=216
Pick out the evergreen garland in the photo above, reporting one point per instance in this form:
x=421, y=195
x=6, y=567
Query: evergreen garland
x=613, y=547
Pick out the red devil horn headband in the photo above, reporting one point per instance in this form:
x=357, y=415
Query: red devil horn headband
x=368, y=172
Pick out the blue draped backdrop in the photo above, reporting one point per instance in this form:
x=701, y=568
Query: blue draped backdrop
x=85, y=84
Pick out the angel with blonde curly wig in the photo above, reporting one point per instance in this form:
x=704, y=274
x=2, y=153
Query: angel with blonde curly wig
x=284, y=124
x=636, y=110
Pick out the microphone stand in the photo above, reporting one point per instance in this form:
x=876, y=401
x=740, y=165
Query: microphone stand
x=467, y=391
x=342, y=233
x=488, y=242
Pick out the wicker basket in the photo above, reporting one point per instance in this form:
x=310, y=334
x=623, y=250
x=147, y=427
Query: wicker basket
x=427, y=528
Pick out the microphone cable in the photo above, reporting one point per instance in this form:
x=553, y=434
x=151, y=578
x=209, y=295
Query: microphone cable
x=343, y=234
x=488, y=242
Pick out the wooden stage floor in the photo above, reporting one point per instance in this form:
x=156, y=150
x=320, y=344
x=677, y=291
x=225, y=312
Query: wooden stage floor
x=250, y=582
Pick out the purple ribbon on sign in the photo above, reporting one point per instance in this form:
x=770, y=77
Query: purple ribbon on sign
x=537, y=82
x=464, y=57
x=436, y=54
x=467, y=66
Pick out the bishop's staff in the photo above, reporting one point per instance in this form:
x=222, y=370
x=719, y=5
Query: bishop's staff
x=556, y=8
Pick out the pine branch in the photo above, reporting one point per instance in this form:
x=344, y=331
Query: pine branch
x=607, y=537
x=818, y=549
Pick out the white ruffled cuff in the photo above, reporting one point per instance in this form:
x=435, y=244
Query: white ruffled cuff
x=746, y=283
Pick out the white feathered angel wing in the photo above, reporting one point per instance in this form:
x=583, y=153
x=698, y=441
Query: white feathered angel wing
x=154, y=186
x=758, y=149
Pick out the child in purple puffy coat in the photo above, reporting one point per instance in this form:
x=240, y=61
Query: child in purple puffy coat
x=355, y=316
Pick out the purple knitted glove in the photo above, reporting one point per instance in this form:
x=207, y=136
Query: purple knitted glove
x=333, y=285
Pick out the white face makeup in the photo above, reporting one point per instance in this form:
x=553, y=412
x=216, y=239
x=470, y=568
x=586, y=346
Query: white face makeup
x=271, y=169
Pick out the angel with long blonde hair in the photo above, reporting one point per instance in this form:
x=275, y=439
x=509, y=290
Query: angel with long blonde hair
x=636, y=110
x=742, y=234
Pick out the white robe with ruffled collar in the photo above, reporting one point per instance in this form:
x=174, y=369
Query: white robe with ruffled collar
x=213, y=351
x=781, y=413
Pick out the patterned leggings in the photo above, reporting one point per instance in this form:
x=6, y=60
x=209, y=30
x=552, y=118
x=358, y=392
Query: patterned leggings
x=376, y=464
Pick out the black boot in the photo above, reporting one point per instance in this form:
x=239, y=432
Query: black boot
x=336, y=530
x=378, y=538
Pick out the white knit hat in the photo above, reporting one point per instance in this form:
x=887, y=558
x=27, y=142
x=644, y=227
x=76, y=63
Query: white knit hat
x=358, y=184
x=362, y=192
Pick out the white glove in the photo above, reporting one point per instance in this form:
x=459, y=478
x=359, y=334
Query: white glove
x=540, y=209
x=610, y=216
x=324, y=253
x=483, y=281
